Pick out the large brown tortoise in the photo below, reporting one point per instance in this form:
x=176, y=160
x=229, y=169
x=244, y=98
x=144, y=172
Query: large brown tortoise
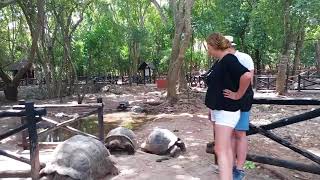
x=79, y=157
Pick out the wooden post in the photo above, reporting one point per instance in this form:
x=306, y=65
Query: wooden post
x=33, y=138
x=311, y=168
x=299, y=82
x=287, y=144
x=268, y=81
x=150, y=76
x=100, y=120
x=287, y=121
x=24, y=132
x=255, y=82
x=144, y=76
x=287, y=78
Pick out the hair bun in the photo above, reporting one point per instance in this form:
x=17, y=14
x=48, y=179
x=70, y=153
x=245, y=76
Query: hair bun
x=218, y=41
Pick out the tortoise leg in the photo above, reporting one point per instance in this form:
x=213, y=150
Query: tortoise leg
x=61, y=177
x=181, y=145
x=174, y=151
x=129, y=148
x=114, y=170
x=47, y=177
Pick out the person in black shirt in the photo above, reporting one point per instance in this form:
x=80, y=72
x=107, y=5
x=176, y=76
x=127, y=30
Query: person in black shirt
x=227, y=82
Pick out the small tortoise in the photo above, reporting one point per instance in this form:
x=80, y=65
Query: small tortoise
x=121, y=139
x=163, y=142
x=79, y=157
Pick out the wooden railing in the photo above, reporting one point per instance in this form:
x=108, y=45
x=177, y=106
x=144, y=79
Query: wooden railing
x=31, y=115
x=299, y=82
x=265, y=131
x=308, y=82
x=196, y=81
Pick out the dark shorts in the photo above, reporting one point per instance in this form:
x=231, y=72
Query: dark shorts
x=243, y=123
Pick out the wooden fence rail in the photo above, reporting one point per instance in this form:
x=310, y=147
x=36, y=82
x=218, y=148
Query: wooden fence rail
x=31, y=115
x=299, y=82
x=265, y=131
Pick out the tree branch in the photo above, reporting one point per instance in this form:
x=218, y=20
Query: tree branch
x=75, y=26
x=35, y=36
x=163, y=17
x=4, y=76
x=4, y=3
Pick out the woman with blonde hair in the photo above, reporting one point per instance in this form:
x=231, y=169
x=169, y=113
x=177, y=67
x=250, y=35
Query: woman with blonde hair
x=227, y=82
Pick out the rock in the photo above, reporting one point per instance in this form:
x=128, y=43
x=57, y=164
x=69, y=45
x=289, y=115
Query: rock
x=137, y=109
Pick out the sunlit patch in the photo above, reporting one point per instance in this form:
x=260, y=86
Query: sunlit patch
x=202, y=116
x=194, y=144
x=193, y=157
x=186, y=114
x=176, y=167
x=186, y=177
x=181, y=157
x=314, y=151
x=163, y=115
x=127, y=170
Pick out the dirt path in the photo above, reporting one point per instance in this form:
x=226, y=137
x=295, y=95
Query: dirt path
x=195, y=164
x=189, y=118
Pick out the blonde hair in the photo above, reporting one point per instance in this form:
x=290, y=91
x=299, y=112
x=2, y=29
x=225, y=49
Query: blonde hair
x=218, y=41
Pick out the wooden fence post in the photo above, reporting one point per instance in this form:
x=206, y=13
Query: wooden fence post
x=299, y=82
x=33, y=138
x=100, y=120
x=24, y=132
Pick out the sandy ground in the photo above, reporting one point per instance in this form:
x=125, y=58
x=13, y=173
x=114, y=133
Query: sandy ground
x=189, y=119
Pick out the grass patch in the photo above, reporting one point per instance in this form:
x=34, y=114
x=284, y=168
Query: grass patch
x=128, y=125
x=249, y=165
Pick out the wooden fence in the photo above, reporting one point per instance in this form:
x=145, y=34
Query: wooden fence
x=300, y=82
x=265, y=131
x=31, y=115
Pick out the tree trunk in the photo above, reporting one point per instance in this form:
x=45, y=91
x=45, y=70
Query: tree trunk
x=34, y=14
x=11, y=91
x=299, y=46
x=258, y=61
x=317, y=44
x=182, y=19
x=183, y=85
x=283, y=60
x=281, y=78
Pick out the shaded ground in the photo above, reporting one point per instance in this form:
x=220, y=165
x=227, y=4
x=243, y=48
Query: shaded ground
x=189, y=118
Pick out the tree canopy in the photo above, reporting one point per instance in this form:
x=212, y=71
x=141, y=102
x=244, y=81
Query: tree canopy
x=100, y=37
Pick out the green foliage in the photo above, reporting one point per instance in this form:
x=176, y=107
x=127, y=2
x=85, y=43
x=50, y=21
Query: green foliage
x=104, y=42
x=249, y=165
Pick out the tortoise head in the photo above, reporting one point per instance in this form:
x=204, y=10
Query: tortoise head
x=113, y=145
x=181, y=145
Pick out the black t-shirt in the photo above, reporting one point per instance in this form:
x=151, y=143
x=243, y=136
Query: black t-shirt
x=225, y=74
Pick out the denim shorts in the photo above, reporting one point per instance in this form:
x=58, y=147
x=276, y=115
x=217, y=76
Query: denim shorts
x=243, y=123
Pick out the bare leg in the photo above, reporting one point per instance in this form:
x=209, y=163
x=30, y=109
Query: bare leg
x=234, y=147
x=241, y=148
x=215, y=155
x=223, y=148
